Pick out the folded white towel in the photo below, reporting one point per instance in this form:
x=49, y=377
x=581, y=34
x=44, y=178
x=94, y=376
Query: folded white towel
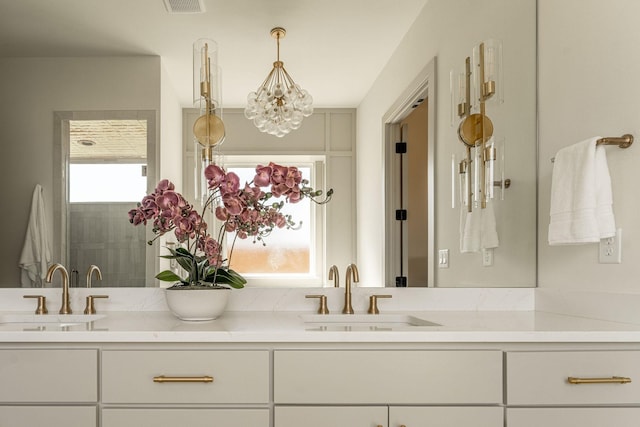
x=36, y=254
x=581, y=197
x=478, y=229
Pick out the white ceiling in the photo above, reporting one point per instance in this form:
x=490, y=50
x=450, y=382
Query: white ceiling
x=333, y=48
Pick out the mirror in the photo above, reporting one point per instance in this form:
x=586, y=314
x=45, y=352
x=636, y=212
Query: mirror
x=444, y=31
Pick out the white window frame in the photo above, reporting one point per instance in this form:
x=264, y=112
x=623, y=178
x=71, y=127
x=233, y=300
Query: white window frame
x=317, y=250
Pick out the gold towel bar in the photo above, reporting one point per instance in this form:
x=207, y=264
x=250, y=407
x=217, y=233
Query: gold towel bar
x=623, y=141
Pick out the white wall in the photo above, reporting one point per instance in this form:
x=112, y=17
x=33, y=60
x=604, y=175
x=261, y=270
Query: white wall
x=171, y=131
x=31, y=89
x=589, y=71
x=448, y=30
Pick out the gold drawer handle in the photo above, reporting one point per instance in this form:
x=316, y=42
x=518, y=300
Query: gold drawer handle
x=163, y=379
x=614, y=380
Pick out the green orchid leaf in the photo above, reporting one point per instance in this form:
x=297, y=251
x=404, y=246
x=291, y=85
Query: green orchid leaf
x=185, y=263
x=168, y=276
x=226, y=277
x=183, y=252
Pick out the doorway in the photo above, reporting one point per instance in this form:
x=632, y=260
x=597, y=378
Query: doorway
x=409, y=190
x=106, y=166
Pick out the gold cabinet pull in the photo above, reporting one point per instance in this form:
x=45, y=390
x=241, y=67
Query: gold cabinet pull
x=163, y=379
x=611, y=380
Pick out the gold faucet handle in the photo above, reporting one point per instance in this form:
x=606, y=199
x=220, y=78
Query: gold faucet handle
x=90, y=309
x=373, y=303
x=42, y=303
x=322, y=308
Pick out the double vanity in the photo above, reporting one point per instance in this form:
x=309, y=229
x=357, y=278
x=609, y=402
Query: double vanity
x=489, y=360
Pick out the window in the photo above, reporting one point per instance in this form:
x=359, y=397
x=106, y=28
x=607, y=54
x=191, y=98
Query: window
x=287, y=255
x=99, y=182
x=107, y=160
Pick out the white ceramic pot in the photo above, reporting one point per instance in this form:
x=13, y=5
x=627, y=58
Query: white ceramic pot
x=197, y=304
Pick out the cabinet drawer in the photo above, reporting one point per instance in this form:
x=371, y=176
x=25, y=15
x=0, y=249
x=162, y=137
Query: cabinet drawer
x=184, y=417
x=51, y=416
x=563, y=417
x=238, y=376
x=446, y=416
x=388, y=377
x=541, y=378
x=333, y=416
x=49, y=375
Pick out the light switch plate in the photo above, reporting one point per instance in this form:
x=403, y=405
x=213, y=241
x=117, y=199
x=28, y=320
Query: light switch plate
x=443, y=258
x=611, y=249
x=487, y=257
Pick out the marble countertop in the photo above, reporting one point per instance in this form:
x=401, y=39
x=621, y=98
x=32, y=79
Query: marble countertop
x=290, y=327
x=278, y=316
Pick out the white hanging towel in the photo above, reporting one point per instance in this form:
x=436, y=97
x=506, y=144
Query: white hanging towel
x=478, y=229
x=581, y=196
x=36, y=253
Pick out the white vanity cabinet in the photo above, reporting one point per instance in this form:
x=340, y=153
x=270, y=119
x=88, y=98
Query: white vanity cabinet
x=564, y=417
x=334, y=416
x=560, y=388
x=184, y=381
x=185, y=417
x=185, y=377
x=53, y=387
x=386, y=379
x=208, y=381
x=393, y=416
x=457, y=416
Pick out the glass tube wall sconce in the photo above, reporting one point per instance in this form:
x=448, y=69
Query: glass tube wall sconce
x=208, y=129
x=471, y=90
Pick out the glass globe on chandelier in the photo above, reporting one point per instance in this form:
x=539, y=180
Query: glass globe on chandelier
x=279, y=105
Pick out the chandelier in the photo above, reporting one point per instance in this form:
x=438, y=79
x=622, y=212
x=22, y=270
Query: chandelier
x=279, y=105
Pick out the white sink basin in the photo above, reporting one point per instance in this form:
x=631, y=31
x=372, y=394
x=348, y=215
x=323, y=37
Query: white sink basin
x=49, y=319
x=364, y=322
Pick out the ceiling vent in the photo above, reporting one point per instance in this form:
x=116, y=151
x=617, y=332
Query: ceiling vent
x=184, y=6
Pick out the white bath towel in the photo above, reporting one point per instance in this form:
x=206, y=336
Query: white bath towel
x=36, y=253
x=581, y=196
x=478, y=229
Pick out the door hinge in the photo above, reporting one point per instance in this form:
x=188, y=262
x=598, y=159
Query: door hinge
x=401, y=147
x=401, y=214
x=401, y=282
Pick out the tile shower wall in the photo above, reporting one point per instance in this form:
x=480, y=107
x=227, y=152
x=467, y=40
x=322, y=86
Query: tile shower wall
x=114, y=246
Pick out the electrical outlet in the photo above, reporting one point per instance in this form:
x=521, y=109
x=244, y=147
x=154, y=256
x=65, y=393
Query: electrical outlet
x=487, y=257
x=443, y=258
x=611, y=249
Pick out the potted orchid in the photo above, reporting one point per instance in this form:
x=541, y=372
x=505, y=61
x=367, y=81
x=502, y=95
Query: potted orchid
x=249, y=211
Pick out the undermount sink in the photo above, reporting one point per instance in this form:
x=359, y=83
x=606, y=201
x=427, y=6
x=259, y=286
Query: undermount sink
x=49, y=319
x=364, y=322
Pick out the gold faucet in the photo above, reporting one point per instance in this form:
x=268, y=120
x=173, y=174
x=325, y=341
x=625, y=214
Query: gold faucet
x=352, y=273
x=335, y=276
x=93, y=268
x=66, y=307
